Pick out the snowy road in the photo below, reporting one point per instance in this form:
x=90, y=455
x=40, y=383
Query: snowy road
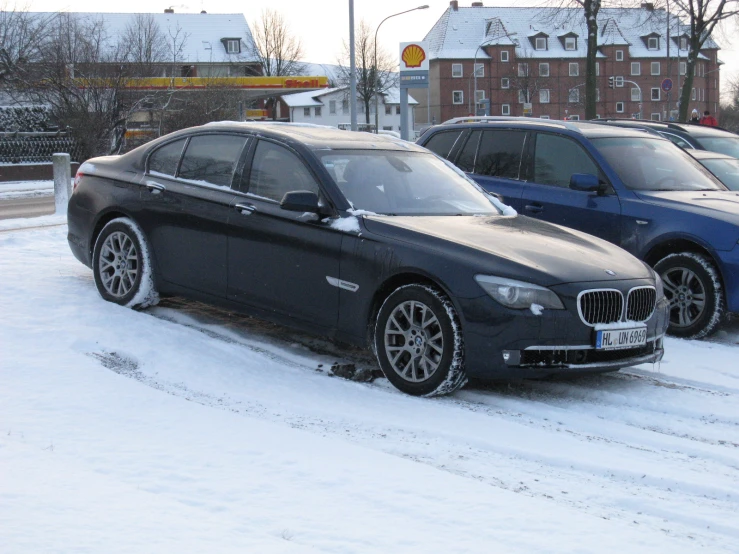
x=214, y=429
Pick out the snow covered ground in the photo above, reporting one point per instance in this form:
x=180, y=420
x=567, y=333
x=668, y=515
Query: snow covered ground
x=186, y=428
x=26, y=189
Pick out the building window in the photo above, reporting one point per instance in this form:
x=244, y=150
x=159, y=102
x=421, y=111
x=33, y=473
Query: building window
x=345, y=106
x=457, y=97
x=505, y=82
x=456, y=70
x=619, y=81
x=655, y=117
x=656, y=68
x=635, y=95
x=597, y=69
x=683, y=68
x=574, y=96
x=574, y=69
x=544, y=96
x=397, y=109
x=522, y=96
x=479, y=70
x=332, y=106
x=619, y=107
x=504, y=55
x=387, y=127
x=655, y=94
x=233, y=46
x=479, y=96
x=653, y=43
x=570, y=43
x=683, y=43
x=597, y=95
x=388, y=109
x=636, y=68
x=543, y=70
x=306, y=112
x=692, y=97
x=523, y=70
x=574, y=118
x=317, y=111
x=505, y=109
x=541, y=43
x=619, y=55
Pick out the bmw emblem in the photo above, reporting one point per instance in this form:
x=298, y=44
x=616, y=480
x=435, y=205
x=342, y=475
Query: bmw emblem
x=611, y=273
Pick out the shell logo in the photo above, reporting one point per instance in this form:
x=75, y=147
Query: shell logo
x=413, y=55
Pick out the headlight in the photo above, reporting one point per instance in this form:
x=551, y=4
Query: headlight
x=659, y=285
x=517, y=294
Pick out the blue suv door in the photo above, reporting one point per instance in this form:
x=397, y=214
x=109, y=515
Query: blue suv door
x=553, y=159
x=494, y=158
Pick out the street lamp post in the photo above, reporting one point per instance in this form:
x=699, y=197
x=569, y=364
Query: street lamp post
x=469, y=83
x=374, y=73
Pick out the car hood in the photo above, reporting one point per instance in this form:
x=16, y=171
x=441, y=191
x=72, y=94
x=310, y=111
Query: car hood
x=518, y=247
x=721, y=204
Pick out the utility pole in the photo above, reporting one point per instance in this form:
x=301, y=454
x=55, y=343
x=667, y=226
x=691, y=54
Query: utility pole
x=352, y=69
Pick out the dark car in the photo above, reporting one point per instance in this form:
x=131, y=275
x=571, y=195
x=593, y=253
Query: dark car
x=370, y=240
x=630, y=187
x=724, y=168
x=689, y=136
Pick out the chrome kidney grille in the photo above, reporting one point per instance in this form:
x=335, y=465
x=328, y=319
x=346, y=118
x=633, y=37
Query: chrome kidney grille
x=607, y=305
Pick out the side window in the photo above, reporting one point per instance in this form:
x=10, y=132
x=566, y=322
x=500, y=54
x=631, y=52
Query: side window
x=500, y=153
x=275, y=171
x=681, y=142
x=442, y=143
x=164, y=161
x=212, y=158
x=466, y=160
x=557, y=158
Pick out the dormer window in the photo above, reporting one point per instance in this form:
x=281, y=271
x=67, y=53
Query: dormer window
x=232, y=45
x=541, y=43
x=653, y=43
x=570, y=43
x=683, y=43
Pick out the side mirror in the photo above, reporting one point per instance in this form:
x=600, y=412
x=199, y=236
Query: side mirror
x=300, y=201
x=585, y=182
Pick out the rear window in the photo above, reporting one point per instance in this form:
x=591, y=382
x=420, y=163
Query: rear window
x=164, y=161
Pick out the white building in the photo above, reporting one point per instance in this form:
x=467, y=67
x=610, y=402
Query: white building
x=331, y=107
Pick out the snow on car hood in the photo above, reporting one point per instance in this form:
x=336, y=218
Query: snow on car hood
x=556, y=254
x=722, y=204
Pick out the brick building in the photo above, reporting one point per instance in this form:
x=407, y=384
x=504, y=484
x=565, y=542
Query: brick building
x=537, y=56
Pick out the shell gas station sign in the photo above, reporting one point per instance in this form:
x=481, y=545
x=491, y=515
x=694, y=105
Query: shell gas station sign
x=414, y=65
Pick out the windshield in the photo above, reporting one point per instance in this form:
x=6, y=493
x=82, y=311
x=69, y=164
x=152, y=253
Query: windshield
x=654, y=164
x=722, y=145
x=403, y=183
x=727, y=171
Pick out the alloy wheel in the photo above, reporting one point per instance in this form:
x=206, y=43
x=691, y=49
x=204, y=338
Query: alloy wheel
x=118, y=264
x=414, y=341
x=687, y=295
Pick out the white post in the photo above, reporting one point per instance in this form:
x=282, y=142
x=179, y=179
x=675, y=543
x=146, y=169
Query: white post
x=62, y=182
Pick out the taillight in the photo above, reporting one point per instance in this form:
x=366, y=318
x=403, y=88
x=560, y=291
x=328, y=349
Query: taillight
x=77, y=179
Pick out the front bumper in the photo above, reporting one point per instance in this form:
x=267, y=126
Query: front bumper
x=508, y=344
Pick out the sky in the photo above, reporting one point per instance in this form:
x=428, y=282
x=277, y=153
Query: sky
x=323, y=25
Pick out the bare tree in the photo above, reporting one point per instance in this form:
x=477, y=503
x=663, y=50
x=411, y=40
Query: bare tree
x=703, y=16
x=371, y=80
x=275, y=46
x=146, y=44
x=176, y=43
x=21, y=34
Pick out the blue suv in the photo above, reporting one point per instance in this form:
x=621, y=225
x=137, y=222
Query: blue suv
x=634, y=189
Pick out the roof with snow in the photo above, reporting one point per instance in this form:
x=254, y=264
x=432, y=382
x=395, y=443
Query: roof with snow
x=460, y=34
x=203, y=33
x=313, y=97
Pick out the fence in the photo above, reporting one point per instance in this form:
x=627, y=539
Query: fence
x=35, y=147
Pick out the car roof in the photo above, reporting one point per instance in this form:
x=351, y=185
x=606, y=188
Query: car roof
x=708, y=155
x=692, y=129
x=586, y=128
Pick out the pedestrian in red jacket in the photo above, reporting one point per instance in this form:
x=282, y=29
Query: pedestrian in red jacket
x=708, y=119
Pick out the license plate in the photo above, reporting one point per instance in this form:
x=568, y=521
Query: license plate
x=617, y=339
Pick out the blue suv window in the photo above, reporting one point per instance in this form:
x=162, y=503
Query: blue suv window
x=466, y=160
x=557, y=158
x=499, y=154
x=442, y=143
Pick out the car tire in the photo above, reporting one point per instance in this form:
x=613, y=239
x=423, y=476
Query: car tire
x=121, y=264
x=693, y=287
x=418, y=342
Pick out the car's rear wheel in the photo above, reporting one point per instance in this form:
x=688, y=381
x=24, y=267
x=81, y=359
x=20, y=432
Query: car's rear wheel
x=122, y=265
x=693, y=287
x=418, y=342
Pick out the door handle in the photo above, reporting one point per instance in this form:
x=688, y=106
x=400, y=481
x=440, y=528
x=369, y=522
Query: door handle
x=246, y=209
x=534, y=208
x=155, y=188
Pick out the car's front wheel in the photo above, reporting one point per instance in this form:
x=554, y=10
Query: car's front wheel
x=122, y=265
x=694, y=290
x=418, y=341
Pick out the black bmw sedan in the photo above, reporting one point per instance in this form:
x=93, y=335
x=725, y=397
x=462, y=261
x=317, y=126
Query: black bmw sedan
x=369, y=240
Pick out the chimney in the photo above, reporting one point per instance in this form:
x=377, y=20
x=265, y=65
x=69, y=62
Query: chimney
x=649, y=6
x=168, y=10
x=477, y=4
x=454, y=4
